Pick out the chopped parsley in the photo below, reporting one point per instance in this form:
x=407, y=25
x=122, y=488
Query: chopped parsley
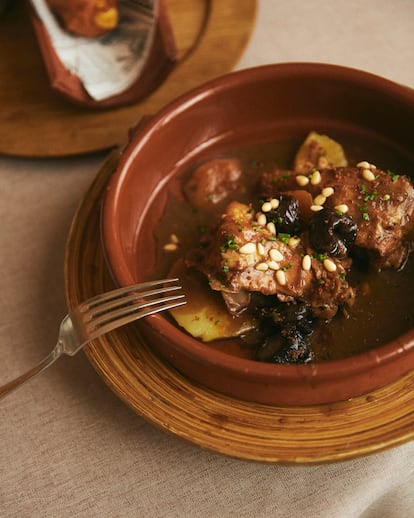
x=284, y=237
x=319, y=257
x=230, y=243
x=394, y=176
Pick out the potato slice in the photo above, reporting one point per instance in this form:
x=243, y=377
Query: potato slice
x=319, y=151
x=205, y=315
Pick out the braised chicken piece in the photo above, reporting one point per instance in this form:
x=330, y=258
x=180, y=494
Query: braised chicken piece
x=213, y=181
x=244, y=255
x=381, y=205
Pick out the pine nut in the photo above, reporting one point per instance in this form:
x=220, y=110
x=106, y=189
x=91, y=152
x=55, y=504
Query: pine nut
x=364, y=164
x=306, y=262
x=342, y=208
x=262, y=267
x=271, y=227
x=260, y=249
x=319, y=200
x=328, y=191
x=275, y=255
x=174, y=239
x=170, y=247
x=316, y=208
x=273, y=265
x=281, y=277
x=261, y=219
x=368, y=175
x=302, y=180
x=267, y=206
x=248, y=248
x=316, y=178
x=293, y=241
x=329, y=265
x=274, y=202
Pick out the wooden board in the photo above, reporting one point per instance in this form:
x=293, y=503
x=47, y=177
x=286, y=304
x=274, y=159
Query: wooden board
x=290, y=435
x=36, y=121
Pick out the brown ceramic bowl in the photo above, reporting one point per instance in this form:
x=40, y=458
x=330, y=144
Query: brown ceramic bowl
x=270, y=102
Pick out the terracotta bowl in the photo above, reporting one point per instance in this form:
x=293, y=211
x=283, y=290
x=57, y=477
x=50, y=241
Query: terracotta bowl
x=275, y=101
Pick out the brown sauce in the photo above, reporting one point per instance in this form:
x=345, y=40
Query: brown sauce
x=383, y=310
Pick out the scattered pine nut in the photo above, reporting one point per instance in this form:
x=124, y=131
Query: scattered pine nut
x=293, y=241
x=275, y=255
x=248, y=248
x=302, y=180
x=261, y=219
x=328, y=191
x=274, y=202
x=262, y=267
x=329, y=265
x=271, y=227
x=267, y=206
x=342, y=208
x=306, y=262
x=316, y=208
x=273, y=265
x=368, y=175
x=364, y=164
x=170, y=247
x=260, y=249
x=281, y=277
x=316, y=178
x=319, y=200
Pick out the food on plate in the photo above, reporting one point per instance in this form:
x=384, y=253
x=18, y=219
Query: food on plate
x=88, y=18
x=288, y=253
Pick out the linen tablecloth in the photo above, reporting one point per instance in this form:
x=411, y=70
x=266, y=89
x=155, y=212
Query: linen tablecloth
x=69, y=447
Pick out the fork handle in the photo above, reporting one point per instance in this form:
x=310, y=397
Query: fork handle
x=40, y=367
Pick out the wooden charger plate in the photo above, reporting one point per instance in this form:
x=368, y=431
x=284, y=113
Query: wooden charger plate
x=37, y=121
x=156, y=391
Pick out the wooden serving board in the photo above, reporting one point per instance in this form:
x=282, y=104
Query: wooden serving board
x=289, y=435
x=38, y=122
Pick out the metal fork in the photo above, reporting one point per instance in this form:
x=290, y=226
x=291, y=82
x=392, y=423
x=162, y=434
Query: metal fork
x=102, y=314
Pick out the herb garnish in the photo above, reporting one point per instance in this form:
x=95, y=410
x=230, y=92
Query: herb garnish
x=284, y=237
x=230, y=243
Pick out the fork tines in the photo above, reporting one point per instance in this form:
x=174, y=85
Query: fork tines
x=132, y=302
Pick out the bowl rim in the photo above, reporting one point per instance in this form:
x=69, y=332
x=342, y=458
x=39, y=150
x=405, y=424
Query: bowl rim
x=190, y=346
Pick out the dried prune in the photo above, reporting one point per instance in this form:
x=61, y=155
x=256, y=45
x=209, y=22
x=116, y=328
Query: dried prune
x=288, y=339
x=294, y=315
x=332, y=233
x=286, y=216
x=295, y=348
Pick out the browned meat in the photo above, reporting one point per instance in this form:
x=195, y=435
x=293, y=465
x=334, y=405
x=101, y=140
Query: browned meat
x=213, y=181
x=244, y=254
x=381, y=204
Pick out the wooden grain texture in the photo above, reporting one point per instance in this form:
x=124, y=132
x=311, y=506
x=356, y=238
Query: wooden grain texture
x=36, y=121
x=288, y=435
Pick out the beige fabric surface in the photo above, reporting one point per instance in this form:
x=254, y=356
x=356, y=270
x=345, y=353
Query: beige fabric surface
x=68, y=446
